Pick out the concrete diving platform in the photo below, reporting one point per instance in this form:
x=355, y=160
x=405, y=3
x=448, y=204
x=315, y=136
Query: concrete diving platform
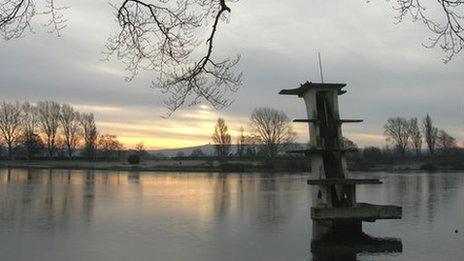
x=358, y=211
x=330, y=182
x=340, y=121
x=320, y=150
x=335, y=212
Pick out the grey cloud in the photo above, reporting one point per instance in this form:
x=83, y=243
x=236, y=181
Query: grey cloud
x=387, y=70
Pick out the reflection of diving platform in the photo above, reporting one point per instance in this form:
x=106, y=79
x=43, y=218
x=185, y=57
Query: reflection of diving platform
x=347, y=248
x=335, y=212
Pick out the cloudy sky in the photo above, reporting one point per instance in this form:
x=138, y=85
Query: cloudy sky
x=387, y=70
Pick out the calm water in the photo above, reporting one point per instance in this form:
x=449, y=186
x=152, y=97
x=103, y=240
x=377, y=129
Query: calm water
x=86, y=215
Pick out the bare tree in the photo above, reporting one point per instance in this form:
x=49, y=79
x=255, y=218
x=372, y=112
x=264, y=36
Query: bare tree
x=397, y=132
x=445, y=142
x=16, y=17
x=221, y=138
x=140, y=149
x=90, y=134
x=10, y=124
x=109, y=145
x=430, y=133
x=30, y=117
x=273, y=129
x=349, y=144
x=31, y=143
x=30, y=140
x=447, y=27
x=70, y=123
x=49, y=122
x=162, y=36
x=415, y=135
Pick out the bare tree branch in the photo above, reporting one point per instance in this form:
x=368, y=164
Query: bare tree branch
x=162, y=37
x=157, y=35
x=56, y=20
x=448, y=30
x=16, y=17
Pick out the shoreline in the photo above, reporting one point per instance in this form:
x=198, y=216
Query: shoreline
x=195, y=166
x=148, y=166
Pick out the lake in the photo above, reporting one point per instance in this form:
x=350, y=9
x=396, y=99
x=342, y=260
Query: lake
x=108, y=215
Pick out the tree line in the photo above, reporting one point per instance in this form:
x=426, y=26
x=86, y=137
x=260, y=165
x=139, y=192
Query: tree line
x=51, y=128
x=410, y=134
x=271, y=132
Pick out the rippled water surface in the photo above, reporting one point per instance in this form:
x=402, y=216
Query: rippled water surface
x=99, y=215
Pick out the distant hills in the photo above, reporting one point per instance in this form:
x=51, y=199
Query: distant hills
x=208, y=150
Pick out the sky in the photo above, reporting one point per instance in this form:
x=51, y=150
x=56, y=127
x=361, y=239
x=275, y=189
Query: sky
x=387, y=70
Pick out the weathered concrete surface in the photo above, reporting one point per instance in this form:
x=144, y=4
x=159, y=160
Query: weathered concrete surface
x=359, y=211
x=328, y=182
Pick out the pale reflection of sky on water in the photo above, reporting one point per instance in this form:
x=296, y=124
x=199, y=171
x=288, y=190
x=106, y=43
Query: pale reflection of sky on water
x=82, y=215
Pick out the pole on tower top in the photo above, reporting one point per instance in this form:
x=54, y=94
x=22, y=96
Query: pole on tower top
x=320, y=66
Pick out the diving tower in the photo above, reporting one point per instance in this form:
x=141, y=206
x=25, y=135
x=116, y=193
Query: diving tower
x=335, y=211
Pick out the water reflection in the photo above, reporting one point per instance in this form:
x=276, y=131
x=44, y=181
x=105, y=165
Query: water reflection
x=346, y=248
x=211, y=216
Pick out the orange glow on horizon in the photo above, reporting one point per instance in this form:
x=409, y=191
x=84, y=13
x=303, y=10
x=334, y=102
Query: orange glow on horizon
x=187, y=128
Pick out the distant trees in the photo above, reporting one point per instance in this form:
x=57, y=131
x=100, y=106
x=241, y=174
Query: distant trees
x=31, y=143
x=140, y=149
x=70, y=123
x=349, y=144
x=29, y=130
x=133, y=159
x=49, y=121
x=90, y=134
x=251, y=144
x=270, y=132
x=273, y=129
x=406, y=134
x=221, y=138
x=10, y=124
x=180, y=154
x=415, y=135
x=159, y=155
x=445, y=142
x=372, y=153
x=430, y=133
x=30, y=139
x=197, y=153
x=397, y=132
x=109, y=145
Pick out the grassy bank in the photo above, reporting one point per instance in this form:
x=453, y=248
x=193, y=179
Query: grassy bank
x=234, y=165
x=195, y=165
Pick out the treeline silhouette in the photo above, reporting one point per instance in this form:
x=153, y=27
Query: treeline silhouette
x=406, y=135
x=271, y=133
x=411, y=144
x=48, y=129
x=414, y=141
